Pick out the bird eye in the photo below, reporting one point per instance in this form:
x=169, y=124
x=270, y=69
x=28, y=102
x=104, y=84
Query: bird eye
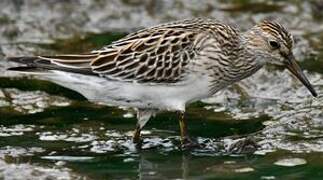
x=274, y=44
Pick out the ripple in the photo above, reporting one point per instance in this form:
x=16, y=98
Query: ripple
x=244, y=170
x=70, y=137
x=15, y=130
x=19, y=151
x=291, y=162
x=68, y=158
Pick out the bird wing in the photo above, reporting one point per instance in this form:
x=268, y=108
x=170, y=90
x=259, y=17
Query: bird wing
x=154, y=55
x=151, y=55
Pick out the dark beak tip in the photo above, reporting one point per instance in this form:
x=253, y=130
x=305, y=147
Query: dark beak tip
x=311, y=89
x=293, y=67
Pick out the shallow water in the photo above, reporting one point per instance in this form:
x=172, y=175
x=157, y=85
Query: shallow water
x=47, y=131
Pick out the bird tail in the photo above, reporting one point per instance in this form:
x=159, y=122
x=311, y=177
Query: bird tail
x=38, y=64
x=31, y=65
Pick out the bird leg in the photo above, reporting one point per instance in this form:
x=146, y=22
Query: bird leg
x=142, y=118
x=186, y=141
x=136, y=135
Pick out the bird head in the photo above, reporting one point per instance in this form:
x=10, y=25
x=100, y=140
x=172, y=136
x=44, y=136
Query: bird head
x=273, y=44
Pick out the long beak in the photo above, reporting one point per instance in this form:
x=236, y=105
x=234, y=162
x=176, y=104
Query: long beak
x=294, y=68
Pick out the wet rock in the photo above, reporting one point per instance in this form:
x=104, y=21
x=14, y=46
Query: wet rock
x=16, y=152
x=28, y=171
x=243, y=146
x=31, y=102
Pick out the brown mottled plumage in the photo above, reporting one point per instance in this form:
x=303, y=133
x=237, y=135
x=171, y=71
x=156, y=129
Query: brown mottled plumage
x=169, y=66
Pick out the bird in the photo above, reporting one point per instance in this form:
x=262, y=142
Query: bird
x=168, y=66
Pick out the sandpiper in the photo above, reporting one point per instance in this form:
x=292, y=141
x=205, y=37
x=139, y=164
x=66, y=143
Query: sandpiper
x=167, y=67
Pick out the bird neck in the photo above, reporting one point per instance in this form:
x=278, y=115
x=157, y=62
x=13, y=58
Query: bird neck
x=248, y=61
x=252, y=53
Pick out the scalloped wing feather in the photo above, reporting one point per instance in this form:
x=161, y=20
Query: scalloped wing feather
x=159, y=55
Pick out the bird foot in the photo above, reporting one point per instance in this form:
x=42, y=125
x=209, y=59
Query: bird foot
x=137, y=141
x=244, y=146
x=189, y=144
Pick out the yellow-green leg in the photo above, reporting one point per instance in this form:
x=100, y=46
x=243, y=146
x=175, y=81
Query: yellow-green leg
x=186, y=141
x=136, y=135
x=183, y=127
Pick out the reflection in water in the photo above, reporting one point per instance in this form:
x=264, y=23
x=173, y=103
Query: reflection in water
x=175, y=169
x=186, y=166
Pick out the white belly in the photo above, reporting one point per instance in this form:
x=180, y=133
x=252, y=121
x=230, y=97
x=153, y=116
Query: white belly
x=148, y=96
